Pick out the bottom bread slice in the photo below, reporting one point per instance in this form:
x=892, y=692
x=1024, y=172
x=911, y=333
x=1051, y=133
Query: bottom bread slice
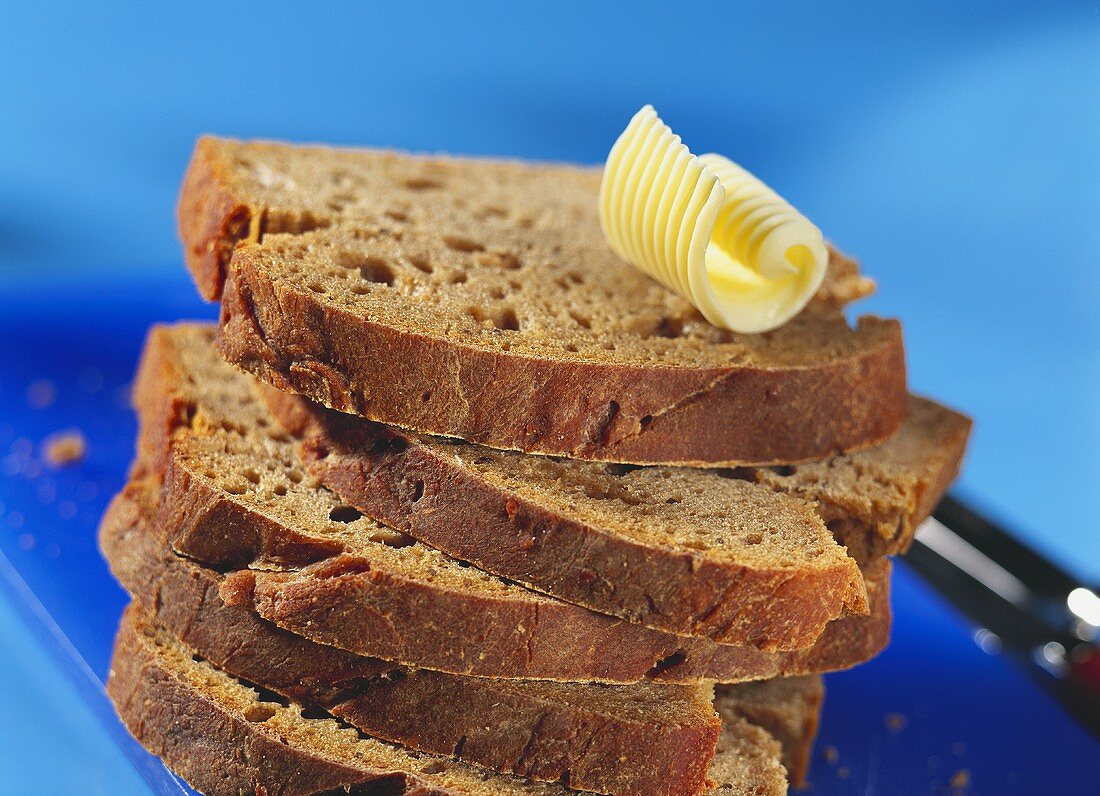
x=646, y=739
x=225, y=737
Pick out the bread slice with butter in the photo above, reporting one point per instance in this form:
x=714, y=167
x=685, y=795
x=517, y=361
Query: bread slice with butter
x=234, y=495
x=478, y=299
x=227, y=737
x=644, y=739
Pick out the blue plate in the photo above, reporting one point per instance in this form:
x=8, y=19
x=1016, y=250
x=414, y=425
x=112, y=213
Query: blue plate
x=931, y=713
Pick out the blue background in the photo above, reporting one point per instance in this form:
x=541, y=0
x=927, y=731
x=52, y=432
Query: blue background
x=953, y=147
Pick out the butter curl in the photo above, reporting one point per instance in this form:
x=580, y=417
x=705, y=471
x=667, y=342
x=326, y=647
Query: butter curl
x=708, y=229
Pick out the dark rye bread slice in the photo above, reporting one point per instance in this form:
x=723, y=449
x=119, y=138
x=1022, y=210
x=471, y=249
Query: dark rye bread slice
x=873, y=500
x=478, y=299
x=235, y=495
x=789, y=708
x=680, y=550
x=225, y=737
x=608, y=536
x=644, y=739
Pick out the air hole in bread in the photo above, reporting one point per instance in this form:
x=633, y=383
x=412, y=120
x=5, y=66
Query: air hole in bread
x=426, y=396
x=433, y=767
x=422, y=184
x=496, y=292
x=754, y=538
x=458, y=278
x=280, y=490
x=462, y=244
x=420, y=262
x=398, y=215
x=294, y=476
x=493, y=210
x=581, y=320
x=316, y=288
x=251, y=475
x=418, y=491
x=646, y=420
x=619, y=470
x=503, y=318
x=783, y=470
x=375, y=269
x=344, y=514
x=499, y=259
x=259, y=713
x=669, y=327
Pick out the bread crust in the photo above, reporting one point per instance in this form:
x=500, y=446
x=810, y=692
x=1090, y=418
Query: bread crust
x=619, y=412
x=529, y=729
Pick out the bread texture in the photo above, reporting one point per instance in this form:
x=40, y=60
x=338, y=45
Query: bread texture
x=228, y=737
x=645, y=739
x=478, y=299
x=235, y=496
x=789, y=708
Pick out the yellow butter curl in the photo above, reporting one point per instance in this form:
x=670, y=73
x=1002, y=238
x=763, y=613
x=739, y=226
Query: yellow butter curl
x=708, y=229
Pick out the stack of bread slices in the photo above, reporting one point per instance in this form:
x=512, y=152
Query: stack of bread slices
x=454, y=501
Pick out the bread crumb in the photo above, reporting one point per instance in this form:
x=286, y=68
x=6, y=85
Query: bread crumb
x=896, y=722
x=843, y=772
x=65, y=447
x=41, y=393
x=831, y=755
x=961, y=779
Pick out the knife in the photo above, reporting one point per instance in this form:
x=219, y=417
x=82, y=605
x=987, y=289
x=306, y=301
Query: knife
x=1022, y=603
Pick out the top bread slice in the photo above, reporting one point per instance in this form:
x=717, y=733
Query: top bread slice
x=478, y=299
x=235, y=495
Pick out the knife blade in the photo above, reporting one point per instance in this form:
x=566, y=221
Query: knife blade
x=1021, y=602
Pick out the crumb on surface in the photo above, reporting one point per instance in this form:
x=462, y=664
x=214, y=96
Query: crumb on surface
x=843, y=772
x=961, y=779
x=831, y=754
x=896, y=722
x=65, y=447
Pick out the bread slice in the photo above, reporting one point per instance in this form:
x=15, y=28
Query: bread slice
x=227, y=737
x=235, y=495
x=512, y=514
x=643, y=739
x=651, y=544
x=478, y=299
x=684, y=551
